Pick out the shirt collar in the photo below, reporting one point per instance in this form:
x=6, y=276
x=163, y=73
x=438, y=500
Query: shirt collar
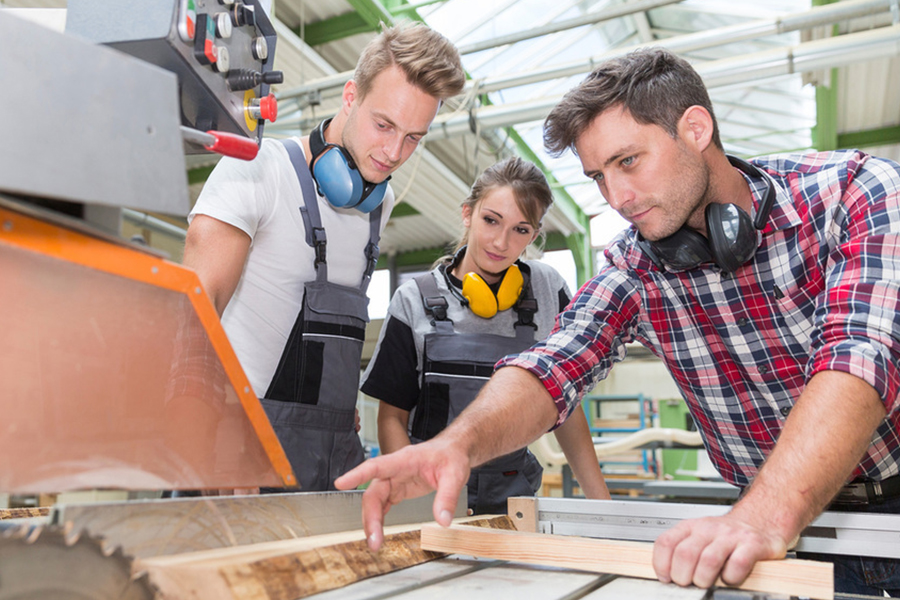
x=784, y=214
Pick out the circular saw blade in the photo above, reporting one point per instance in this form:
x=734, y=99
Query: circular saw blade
x=38, y=562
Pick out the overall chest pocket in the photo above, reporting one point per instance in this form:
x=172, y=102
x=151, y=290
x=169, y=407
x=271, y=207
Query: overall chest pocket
x=321, y=362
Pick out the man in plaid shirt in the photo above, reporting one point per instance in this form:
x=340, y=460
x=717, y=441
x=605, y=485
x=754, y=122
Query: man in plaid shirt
x=772, y=293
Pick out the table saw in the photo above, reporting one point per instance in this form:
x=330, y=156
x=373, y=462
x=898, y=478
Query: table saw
x=117, y=373
x=296, y=545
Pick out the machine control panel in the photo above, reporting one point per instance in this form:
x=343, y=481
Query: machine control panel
x=221, y=50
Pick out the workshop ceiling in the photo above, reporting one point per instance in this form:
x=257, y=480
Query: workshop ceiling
x=759, y=58
x=523, y=55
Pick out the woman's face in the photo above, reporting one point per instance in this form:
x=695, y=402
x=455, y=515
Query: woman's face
x=498, y=234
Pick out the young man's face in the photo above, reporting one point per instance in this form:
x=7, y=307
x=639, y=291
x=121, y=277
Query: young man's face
x=385, y=127
x=656, y=182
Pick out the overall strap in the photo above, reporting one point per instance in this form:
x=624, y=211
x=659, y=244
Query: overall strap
x=525, y=308
x=309, y=210
x=434, y=302
x=312, y=220
x=372, y=250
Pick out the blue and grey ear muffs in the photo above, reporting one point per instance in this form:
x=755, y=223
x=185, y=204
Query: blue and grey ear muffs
x=337, y=177
x=481, y=298
x=732, y=234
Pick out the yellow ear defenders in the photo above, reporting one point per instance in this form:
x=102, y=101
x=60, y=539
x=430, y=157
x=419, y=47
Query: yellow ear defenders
x=481, y=297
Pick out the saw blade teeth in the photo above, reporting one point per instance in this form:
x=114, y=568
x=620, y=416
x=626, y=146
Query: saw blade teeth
x=12, y=532
x=70, y=535
x=32, y=536
x=78, y=555
x=107, y=548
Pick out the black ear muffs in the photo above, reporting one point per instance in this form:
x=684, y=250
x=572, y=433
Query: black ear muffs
x=337, y=177
x=732, y=234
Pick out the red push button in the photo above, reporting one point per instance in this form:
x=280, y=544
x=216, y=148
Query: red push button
x=209, y=50
x=268, y=108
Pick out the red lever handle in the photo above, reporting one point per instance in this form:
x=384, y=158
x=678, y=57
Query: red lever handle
x=233, y=145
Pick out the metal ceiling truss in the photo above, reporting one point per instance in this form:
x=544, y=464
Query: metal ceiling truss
x=816, y=17
x=766, y=65
x=607, y=14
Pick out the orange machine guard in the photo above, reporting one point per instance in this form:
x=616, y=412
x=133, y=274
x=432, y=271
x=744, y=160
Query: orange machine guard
x=115, y=371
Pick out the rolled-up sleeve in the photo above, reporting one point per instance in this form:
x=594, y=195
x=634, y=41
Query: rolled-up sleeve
x=857, y=321
x=589, y=337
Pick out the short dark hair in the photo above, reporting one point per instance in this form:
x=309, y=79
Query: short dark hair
x=652, y=84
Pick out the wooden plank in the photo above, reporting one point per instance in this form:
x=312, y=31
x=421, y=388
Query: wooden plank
x=789, y=576
x=289, y=569
x=23, y=513
x=523, y=512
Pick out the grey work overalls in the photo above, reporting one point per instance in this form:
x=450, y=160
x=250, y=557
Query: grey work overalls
x=455, y=368
x=311, y=401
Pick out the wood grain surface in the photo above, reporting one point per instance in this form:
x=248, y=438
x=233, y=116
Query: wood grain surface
x=290, y=569
x=789, y=576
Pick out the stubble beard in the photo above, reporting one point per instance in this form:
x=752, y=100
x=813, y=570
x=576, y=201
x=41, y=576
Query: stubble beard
x=687, y=202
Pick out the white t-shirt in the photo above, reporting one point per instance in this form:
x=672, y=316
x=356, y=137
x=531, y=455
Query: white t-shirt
x=262, y=198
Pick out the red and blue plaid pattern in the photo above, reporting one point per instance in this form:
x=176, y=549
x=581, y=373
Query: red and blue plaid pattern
x=821, y=293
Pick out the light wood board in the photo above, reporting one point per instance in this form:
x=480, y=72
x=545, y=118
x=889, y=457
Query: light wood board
x=790, y=576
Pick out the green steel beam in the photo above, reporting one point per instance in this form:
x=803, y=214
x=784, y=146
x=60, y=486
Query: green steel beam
x=404, y=209
x=873, y=137
x=199, y=175
x=554, y=240
x=335, y=28
x=366, y=17
x=403, y=8
x=825, y=134
x=418, y=258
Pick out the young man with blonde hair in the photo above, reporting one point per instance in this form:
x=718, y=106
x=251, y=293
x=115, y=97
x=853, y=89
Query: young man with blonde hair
x=285, y=245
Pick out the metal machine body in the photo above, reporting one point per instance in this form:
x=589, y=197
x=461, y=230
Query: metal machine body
x=118, y=373
x=221, y=52
x=106, y=127
x=853, y=534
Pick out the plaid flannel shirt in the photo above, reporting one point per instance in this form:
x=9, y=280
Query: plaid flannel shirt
x=821, y=293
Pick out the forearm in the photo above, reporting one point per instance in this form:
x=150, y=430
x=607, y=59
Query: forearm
x=574, y=437
x=829, y=429
x=512, y=396
x=392, y=428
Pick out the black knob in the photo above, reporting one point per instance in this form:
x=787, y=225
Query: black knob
x=273, y=77
x=243, y=79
